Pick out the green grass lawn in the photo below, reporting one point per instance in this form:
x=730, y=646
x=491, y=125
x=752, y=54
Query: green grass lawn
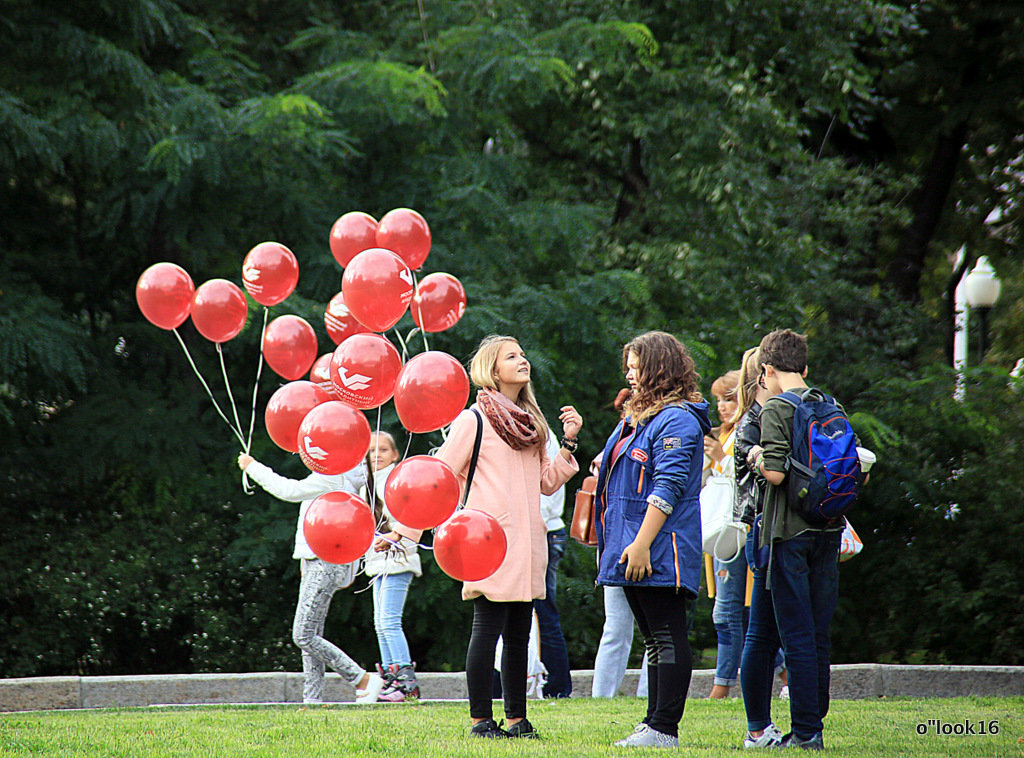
x=569, y=728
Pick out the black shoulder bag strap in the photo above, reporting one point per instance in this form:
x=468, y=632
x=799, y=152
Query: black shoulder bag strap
x=476, y=455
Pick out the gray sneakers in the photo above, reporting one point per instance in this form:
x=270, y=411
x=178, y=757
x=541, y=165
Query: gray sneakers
x=645, y=736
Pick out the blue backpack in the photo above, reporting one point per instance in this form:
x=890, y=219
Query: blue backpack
x=824, y=470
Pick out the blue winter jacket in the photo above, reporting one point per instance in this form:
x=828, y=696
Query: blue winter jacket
x=663, y=458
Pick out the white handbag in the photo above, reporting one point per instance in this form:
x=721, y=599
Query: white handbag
x=721, y=536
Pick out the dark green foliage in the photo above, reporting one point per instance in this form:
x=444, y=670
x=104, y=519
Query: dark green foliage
x=589, y=171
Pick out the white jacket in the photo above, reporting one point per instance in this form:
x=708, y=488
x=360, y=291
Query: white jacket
x=303, y=491
x=551, y=506
x=398, y=560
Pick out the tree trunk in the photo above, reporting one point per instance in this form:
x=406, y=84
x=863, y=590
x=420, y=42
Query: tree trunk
x=905, y=270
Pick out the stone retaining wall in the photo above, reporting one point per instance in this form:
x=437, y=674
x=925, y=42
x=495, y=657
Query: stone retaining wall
x=849, y=682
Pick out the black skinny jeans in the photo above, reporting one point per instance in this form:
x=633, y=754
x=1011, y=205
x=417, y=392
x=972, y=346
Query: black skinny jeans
x=660, y=613
x=512, y=622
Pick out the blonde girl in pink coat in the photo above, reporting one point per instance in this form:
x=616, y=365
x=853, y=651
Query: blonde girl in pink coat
x=512, y=471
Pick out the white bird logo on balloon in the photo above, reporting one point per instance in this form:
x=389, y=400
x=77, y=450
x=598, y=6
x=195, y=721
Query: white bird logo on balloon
x=313, y=451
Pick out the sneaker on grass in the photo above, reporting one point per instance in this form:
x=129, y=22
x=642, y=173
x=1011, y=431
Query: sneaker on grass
x=771, y=737
x=488, y=729
x=811, y=743
x=648, y=737
x=373, y=687
x=522, y=729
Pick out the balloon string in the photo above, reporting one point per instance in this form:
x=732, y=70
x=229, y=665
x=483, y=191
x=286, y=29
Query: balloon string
x=379, y=536
x=405, y=350
x=419, y=311
x=246, y=487
x=227, y=386
x=256, y=386
x=206, y=386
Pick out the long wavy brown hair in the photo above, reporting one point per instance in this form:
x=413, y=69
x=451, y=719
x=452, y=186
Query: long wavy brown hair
x=667, y=374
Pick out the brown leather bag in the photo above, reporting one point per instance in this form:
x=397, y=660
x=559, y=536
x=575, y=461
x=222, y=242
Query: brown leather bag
x=582, y=528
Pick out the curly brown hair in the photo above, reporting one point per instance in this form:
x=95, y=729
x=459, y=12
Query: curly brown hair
x=666, y=374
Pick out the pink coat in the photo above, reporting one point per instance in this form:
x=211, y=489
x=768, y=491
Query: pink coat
x=507, y=485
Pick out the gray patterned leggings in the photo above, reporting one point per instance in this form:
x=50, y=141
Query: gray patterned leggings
x=320, y=580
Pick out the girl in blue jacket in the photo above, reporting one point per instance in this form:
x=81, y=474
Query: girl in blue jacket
x=648, y=519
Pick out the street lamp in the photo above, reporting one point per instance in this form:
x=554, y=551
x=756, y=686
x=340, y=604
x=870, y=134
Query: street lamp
x=981, y=290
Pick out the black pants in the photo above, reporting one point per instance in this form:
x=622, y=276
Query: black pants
x=660, y=613
x=512, y=622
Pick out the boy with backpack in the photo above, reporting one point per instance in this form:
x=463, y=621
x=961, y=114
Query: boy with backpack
x=808, y=457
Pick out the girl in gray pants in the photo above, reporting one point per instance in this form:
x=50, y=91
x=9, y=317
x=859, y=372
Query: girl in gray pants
x=320, y=580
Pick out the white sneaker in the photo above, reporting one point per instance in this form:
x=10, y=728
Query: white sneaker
x=784, y=692
x=372, y=691
x=771, y=737
x=638, y=729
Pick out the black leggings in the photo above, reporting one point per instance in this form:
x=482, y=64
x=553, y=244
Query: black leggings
x=660, y=612
x=512, y=622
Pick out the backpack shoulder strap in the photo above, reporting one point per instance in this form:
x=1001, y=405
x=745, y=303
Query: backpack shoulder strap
x=476, y=454
x=790, y=397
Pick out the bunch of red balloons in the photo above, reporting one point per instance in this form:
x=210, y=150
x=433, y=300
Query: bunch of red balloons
x=322, y=419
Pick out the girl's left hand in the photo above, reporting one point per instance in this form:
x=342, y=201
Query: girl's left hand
x=571, y=420
x=638, y=562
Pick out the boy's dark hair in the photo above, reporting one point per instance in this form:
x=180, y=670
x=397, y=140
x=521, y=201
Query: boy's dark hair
x=784, y=350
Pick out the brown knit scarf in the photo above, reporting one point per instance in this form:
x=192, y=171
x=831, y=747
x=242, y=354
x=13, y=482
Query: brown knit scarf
x=514, y=425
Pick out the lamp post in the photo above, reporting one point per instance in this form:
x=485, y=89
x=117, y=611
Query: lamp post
x=978, y=290
x=981, y=289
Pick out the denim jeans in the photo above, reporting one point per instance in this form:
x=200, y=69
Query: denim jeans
x=553, y=652
x=389, y=592
x=613, y=650
x=760, y=651
x=805, y=588
x=727, y=615
x=661, y=614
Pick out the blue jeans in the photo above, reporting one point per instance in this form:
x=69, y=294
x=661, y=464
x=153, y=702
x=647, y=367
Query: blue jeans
x=727, y=615
x=613, y=650
x=760, y=651
x=389, y=591
x=553, y=652
x=805, y=587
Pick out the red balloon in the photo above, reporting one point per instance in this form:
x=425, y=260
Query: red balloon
x=270, y=273
x=431, y=391
x=470, y=546
x=377, y=286
x=422, y=492
x=289, y=346
x=364, y=370
x=164, y=294
x=338, y=527
x=351, y=234
x=333, y=438
x=339, y=322
x=219, y=310
x=406, y=232
x=438, y=303
x=287, y=407
x=320, y=375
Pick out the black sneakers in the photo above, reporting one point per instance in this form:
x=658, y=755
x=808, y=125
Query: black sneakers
x=488, y=729
x=522, y=729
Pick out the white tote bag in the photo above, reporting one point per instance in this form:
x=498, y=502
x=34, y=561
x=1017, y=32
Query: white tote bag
x=721, y=536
